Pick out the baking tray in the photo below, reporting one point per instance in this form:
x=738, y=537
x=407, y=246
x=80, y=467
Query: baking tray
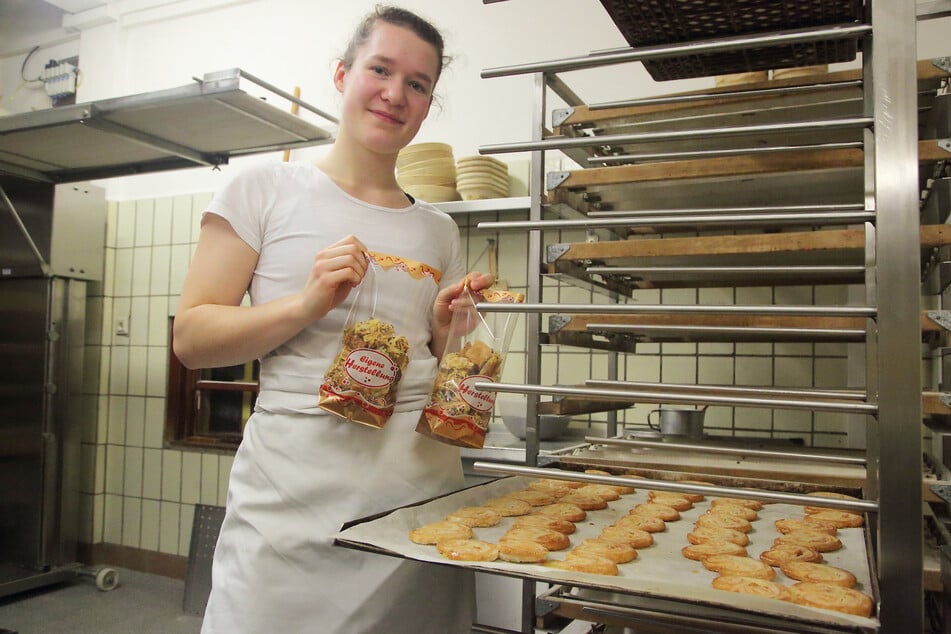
x=660, y=571
x=658, y=22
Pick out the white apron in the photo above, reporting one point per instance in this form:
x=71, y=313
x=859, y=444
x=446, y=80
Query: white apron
x=276, y=569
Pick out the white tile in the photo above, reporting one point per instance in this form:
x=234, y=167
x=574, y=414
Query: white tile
x=112, y=209
x=87, y=468
x=224, y=473
x=754, y=371
x=717, y=296
x=98, y=518
x=135, y=421
x=754, y=295
x=831, y=422
x=112, y=519
x=160, y=269
x=87, y=507
x=756, y=419
x=141, y=271
x=125, y=224
x=88, y=402
x=793, y=421
x=169, y=520
x=144, y=222
x=679, y=370
x=687, y=296
x=832, y=373
x=754, y=349
x=132, y=522
x=122, y=284
x=713, y=348
x=100, y=482
x=138, y=321
x=109, y=273
x=162, y=227
x=642, y=368
x=157, y=371
x=108, y=324
x=117, y=407
x=102, y=419
x=191, y=477
x=93, y=334
x=137, y=369
x=209, y=478
x=132, y=472
x=185, y=529
x=715, y=370
x=180, y=259
x=677, y=348
x=794, y=295
x=793, y=371
x=181, y=220
x=172, y=475
x=151, y=511
x=158, y=321
x=793, y=349
x=154, y=423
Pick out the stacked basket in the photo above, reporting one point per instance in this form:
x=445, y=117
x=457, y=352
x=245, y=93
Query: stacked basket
x=480, y=177
x=427, y=171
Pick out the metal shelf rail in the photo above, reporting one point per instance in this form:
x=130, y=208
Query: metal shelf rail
x=891, y=405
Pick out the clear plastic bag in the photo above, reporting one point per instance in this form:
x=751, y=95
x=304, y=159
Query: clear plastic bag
x=362, y=381
x=457, y=412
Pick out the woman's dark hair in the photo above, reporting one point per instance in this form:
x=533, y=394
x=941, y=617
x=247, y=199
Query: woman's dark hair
x=397, y=17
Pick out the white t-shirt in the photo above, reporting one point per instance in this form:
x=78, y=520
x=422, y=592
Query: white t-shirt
x=287, y=212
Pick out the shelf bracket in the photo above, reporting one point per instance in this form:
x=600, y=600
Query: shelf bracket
x=940, y=317
x=557, y=322
x=554, y=179
x=554, y=251
x=945, y=144
x=559, y=116
x=944, y=63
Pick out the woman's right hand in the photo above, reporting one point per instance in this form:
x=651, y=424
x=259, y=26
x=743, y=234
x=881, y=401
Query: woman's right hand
x=335, y=272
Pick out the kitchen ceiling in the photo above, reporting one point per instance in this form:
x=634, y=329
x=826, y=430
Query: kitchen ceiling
x=21, y=18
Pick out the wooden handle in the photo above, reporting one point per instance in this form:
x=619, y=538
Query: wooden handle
x=295, y=108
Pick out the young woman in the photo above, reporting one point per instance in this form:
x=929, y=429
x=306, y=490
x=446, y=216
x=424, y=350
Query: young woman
x=294, y=236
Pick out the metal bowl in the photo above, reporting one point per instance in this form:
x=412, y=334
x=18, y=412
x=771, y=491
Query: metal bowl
x=512, y=408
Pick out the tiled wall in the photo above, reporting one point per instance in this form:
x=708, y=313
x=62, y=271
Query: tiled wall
x=137, y=493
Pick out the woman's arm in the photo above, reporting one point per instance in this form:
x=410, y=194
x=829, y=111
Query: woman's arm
x=446, y=304
x=213, y=330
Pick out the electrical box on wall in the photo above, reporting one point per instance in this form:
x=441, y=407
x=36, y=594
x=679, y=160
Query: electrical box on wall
x=61, y=78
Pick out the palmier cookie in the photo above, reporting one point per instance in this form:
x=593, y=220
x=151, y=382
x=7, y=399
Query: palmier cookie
x=584, y=501
x=509, y=507
x=623, y=490
x=672, y=500
x=633, y=536
x=544, y=521
x=618, y=552
x=603, y=491
x=653, y=509
x=818, y=573
x=555, y=488
x=552, y=540
x=752, y=585
x=756, y=505
x=780, y=554
x=533, y=497
x=642, y=522
x=522, y=551
x=699, y=552
x=563, y=511
x=795, y=524
x=468, y=550
x=831, y=597
x=839, y=519
x=724, y=521
x=823, y=542
x=737, y=565
x=438, y=531
x=590, y=563
x=832, y=495
x=480, y=516
x=703, y=534
x=734, y=509
x=695, y=497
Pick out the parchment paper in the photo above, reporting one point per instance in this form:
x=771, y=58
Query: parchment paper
x=659, y=570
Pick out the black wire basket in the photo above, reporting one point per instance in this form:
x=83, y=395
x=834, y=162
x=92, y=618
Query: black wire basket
x=657, y=22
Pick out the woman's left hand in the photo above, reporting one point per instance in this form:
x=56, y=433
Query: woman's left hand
x=448, y=301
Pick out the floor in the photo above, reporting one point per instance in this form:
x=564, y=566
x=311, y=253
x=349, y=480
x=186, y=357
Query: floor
x=141, y=603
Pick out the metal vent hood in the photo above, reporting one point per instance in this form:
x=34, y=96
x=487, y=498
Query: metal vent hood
x=200, y=124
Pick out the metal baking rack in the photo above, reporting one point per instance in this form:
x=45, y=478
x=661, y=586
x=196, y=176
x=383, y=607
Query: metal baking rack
x=879, y=176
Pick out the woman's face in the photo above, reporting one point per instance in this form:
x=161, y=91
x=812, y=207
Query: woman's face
x=388, y=89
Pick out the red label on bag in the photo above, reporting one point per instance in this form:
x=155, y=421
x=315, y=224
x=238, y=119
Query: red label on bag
x=370, y=368
x=478, y=400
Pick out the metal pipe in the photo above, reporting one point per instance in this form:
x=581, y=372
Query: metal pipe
x=662, y=396
x=697, y=47
x=716, y=219
x=44, y=266
x=728, y=270
x=288, y=96
x=765, y=209
x=832, y=394
x=858, y=506
x=848, y=334
x=566, y=143
x=687, y=309
x=733, y=451
x=707, y=96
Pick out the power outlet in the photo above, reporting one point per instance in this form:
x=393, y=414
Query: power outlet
x=122, y=326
